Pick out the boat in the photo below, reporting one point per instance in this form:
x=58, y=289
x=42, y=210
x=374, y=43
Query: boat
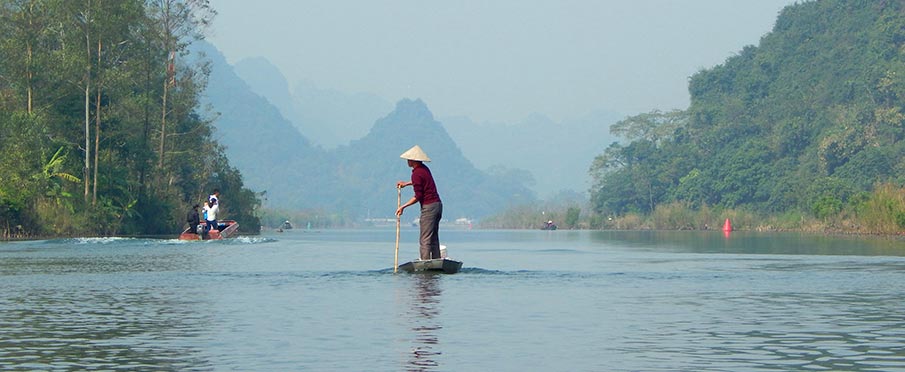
x=445, y=265
x=228, y=229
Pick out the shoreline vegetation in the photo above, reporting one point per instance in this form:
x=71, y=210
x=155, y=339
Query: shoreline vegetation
x=880, y=213
x=102, y=127
x=773, y=139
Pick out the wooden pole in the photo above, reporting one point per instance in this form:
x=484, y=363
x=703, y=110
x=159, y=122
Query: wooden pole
x=398, y=221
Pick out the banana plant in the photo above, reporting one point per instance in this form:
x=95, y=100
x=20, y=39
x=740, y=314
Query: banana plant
x=53, y=171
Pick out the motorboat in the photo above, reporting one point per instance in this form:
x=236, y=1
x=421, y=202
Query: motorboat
x=226, y=229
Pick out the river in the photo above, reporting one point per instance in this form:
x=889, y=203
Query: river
x=328, y=300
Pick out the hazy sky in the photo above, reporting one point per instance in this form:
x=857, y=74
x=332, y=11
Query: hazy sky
x=497, y=60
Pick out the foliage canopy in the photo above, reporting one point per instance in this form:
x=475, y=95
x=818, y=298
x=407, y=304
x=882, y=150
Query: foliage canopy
x=100, y=127
x=808, y=120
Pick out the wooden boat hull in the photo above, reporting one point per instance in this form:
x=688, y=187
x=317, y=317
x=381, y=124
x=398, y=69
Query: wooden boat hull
x=443, y=265
x=230, y=228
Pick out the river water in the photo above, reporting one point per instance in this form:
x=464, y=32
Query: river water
x=524, y=301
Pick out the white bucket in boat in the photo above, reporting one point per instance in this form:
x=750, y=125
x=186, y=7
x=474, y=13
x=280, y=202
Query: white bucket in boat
x=442, y=251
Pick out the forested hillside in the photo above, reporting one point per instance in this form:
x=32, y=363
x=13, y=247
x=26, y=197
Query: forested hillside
x=810, y=120
x=100, y=127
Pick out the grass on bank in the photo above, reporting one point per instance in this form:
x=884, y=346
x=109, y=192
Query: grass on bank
x=879, y=212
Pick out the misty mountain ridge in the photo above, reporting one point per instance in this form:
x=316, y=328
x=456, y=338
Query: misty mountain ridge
x=329, y=118
x=354, y=180
x=556, y=155
x=465, y=190
x=266, y=80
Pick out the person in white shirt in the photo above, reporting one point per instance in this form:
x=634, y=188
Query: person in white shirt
x=214, y=201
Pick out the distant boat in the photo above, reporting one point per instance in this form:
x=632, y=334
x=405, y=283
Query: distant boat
x=228, y=229
x=445, y=265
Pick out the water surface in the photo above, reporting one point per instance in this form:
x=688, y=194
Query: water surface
x=525, y=300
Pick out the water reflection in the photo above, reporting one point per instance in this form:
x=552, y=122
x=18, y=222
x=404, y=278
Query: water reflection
x=776, y=331
x=659, y=301
x=106, y=328
x=750, y=242
x=423, y=316
x=98, y=304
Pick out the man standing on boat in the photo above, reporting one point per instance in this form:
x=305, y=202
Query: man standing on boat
x=426, y=194
x=214, y=200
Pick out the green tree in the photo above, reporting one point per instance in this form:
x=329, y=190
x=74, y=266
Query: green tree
x=804, y=120
x=572, y=215
x=86, y=77
x=634, y=177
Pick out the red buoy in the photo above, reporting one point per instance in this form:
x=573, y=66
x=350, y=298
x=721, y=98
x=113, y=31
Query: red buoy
x=727, y=227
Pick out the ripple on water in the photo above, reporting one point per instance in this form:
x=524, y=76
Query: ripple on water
x=297, y=302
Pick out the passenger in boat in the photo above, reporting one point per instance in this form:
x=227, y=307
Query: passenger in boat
x=212, y=217
x=214, y=201
x=426, y=194
x=214, y=198
x=204, y=213
x=193, y=219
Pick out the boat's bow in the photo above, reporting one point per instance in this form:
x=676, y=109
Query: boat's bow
x=445, y=265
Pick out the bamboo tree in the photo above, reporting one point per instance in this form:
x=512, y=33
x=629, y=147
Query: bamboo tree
x=113, y=33
x=29, y=75
x=22, y=23
x=102, y=64
x=179, y=22
x=97, y=126
x=86, y=15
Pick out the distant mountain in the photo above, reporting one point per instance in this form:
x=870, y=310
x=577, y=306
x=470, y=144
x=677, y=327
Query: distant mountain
x=549, y=156
x=466, y=191
x=329, y=118
x=333, y=118
x=259, y=141
x=557, y=155
x=355, y=180
x=267, y=81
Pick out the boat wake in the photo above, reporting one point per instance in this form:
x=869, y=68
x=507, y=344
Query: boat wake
x=248, y=240
x=240, y=240
x=95, y=240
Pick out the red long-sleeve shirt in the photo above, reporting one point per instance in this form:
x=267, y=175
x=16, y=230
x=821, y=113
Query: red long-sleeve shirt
x=424, y=186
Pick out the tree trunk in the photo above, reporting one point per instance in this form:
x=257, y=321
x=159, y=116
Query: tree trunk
x=97, y=125
x=87, y=168
x=166, y=83
x=163, y=122
x=29, y=75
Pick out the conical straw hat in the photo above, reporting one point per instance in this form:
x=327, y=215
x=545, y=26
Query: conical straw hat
x=415, y=153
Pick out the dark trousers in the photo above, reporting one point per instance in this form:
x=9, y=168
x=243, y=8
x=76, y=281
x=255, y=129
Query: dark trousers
x=430, y=226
